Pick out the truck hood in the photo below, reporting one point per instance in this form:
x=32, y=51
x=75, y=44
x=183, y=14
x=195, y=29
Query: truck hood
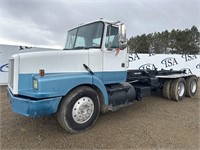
x=22, y=67
x=53, y=61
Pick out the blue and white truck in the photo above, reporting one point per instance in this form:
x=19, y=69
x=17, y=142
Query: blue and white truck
x=90, y=75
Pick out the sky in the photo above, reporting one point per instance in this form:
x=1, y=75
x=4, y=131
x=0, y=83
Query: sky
x=44, y=23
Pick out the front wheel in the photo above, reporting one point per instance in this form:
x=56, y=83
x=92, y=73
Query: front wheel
x=79, y=109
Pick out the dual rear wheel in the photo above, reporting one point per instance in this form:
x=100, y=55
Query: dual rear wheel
x=177, y=89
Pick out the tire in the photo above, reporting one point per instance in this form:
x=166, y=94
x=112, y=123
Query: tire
x=191, y=86
x=166, y=89
x=178, y=89
x=79, y=109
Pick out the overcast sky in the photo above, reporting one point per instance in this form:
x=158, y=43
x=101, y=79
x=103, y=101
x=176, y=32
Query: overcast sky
x=46, y=22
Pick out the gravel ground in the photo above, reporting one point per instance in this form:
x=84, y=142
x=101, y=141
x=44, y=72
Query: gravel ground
x=153, y=123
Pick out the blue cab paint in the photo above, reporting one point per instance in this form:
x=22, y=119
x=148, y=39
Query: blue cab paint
x=52, y=87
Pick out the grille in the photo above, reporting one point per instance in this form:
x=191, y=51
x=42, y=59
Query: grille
x=11, y=72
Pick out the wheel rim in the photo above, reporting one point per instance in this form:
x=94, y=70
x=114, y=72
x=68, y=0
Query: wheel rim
x=193, y=86
x=181, y=89
x=83, y=110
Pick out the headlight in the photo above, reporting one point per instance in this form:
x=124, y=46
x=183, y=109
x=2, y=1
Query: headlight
x=35, y=84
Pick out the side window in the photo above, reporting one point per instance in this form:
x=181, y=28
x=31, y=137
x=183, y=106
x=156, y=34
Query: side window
x=112, y=37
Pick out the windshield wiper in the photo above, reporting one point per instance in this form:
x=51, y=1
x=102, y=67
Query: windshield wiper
x=78, y=47
x=81, y=47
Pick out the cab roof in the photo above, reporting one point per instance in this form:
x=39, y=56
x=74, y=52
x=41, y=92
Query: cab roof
x=101, y=19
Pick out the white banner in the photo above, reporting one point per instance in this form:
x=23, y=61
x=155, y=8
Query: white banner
x=191, y=63
x=136, y=61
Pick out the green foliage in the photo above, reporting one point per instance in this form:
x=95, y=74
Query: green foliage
x=176, y=41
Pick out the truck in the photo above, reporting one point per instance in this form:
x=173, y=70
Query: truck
x=90, y=75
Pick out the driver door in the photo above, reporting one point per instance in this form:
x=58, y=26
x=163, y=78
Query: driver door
x=114, y=59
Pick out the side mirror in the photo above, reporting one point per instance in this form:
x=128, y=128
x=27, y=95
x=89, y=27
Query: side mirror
x=122, y=37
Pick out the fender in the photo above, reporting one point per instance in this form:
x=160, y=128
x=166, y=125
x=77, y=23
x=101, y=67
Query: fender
x=56, y=85
x=99, y=84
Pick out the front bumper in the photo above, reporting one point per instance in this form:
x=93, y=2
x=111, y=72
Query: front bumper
x=33, y=108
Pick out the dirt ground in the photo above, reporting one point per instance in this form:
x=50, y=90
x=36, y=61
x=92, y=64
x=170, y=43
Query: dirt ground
x=153, y=123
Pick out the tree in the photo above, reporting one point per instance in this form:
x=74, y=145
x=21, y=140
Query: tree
x=143, y=44
x=172, y=41
x=176, y=41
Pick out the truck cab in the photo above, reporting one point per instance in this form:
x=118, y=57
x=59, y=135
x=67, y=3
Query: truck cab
x=94, y=60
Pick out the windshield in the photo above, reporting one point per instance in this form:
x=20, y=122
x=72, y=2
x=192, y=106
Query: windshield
x=88, y=36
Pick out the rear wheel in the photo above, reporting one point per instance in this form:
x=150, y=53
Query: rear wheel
x=79, y=109
x=191, y=86
x=166, y=89
x=178, y=89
